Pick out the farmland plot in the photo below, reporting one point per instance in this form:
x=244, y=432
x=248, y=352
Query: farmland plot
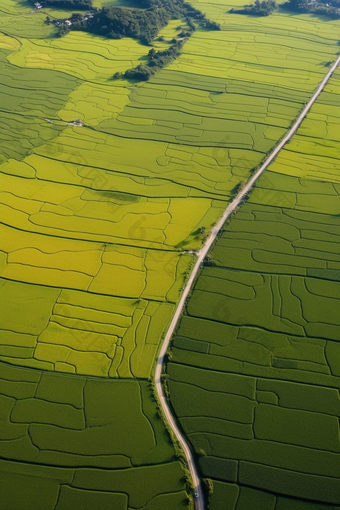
x=70, y=449
x=50, y=257
x=99, y=218
x=254, y=375
x=127, y=213
x=231, y=93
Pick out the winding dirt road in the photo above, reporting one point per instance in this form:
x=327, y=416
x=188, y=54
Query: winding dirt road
x=199, y=498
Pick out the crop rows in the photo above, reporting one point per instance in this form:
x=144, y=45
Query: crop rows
x=79, y=211
x=167, y=170
x=99, y=220
x=254, y=375
x=55, y=427
x=16, y=20
x=75, y=337
x=90, y=262
x=80, y=55
x=33, y=92
x=224, y=93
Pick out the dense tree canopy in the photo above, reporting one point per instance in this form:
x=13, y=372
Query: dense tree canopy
x=143, y=22
x=323, y=7
x=157, y=60
x=118, y=22
x=66, y=4
x=258, y=8
x=265, y=7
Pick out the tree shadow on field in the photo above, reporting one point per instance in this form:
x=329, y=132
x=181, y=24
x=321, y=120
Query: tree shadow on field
x=322, y=17
x=130, y=81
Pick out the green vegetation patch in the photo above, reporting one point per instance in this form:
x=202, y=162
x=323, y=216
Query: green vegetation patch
x=283, y=342
x=21, y=136
x=223, y=469
x=43, y=487
x=219, y=85
x=76, y=4
x=33, y=92
x=317, y=488
x=142, y=484
x=70, y=497
x=38, y=492
x=17, y=21
x=224, y=496
x=76, y=427
x=95, y=219
x=301, y=242
x=78, y=332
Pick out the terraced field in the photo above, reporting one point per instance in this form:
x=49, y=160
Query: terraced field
x=254, y=375
x=107, y=186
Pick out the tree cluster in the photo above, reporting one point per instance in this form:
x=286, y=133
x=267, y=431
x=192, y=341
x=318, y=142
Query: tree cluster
x=176, y=8
x=142, y=22
x=66, y=4
x=157, y=60
x=258, y=8
x=118, y=22
x=160, y=59
x=63, y=30
x=329, y=8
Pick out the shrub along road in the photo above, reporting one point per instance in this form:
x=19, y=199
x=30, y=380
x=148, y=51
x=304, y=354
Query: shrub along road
x=201, y=254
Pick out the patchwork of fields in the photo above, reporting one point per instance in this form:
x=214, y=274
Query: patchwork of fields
x=254, y=375
x=107, y=187
x=70, y=449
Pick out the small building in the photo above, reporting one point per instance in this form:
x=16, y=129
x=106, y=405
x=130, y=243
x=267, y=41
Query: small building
x=68, y=22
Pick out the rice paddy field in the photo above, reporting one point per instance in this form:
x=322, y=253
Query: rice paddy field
x=107, y=188
x=254, y=374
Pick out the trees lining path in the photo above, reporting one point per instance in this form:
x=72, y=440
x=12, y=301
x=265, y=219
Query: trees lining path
x=201, y=254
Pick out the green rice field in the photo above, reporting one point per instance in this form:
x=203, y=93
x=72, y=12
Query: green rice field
x=254, y=373
x=69, y=449
x=108, y=187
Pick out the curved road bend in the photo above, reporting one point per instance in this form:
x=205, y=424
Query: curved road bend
x=199, y=499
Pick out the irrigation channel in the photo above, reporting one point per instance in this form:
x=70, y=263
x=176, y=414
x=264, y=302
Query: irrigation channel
x=201, y=254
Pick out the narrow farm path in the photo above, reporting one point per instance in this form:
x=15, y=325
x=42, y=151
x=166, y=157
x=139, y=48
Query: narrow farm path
x=201, y=254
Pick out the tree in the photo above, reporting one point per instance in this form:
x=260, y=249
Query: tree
x=323, y=7
x=258, y=8
x=63, y=30
x=76, y=16
x=141, y=73
x=68, y=4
